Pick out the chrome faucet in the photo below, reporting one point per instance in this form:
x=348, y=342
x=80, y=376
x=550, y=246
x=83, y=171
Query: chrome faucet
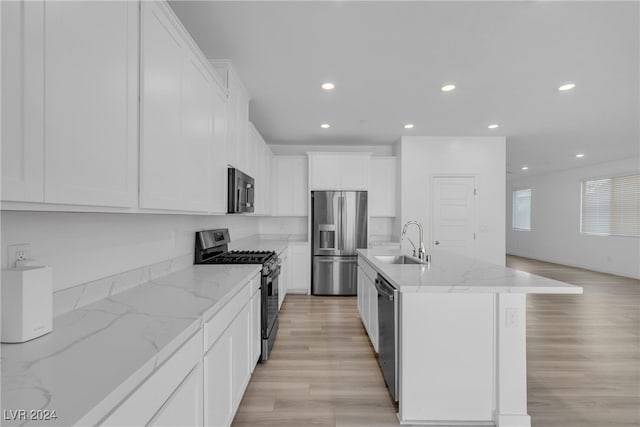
x=422, y=254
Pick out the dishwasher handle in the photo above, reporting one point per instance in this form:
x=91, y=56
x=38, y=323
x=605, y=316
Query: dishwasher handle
x=383, y=289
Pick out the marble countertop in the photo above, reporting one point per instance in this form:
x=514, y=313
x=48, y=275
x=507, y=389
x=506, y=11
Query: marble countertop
x=454, y=273
x=99, y=353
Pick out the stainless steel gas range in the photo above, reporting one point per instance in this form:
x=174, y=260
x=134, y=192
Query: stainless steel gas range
x=211, y=247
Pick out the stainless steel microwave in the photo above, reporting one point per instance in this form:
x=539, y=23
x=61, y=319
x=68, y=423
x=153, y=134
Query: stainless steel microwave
x=241, y=192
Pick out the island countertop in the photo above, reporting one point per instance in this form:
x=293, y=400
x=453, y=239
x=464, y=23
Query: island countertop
x=453, y=273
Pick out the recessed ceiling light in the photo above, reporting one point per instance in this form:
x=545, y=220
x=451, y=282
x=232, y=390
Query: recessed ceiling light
x=524, y=168
x=325, y=126
x=328, y=86
x=493, y=126
x=448, y=88
x=409, y=126
x=566, y=86
x=580, y=155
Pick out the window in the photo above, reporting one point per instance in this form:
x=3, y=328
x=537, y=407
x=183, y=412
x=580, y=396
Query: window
x=522, y=209
x=611, y=206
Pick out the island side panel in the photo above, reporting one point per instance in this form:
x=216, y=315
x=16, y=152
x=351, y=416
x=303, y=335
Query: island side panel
x=511, y=391
x=447, y=358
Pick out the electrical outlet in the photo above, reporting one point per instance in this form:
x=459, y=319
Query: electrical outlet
x=17, y=253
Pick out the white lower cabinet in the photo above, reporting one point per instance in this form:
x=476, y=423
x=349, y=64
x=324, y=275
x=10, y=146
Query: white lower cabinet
x=217, y=380
x=299, y=280
x=256, y=335
x=368, y=301
x=184, y=407
x=240, y=354
x=203, y=381
x=283, y=279
x=145, y=402
x=229, y=362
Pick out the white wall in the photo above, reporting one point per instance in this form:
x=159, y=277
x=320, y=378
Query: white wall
x=423, y=157
x=555, y=223
x=81, y=247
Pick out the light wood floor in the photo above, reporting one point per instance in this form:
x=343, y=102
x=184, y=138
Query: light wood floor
x=583, y=360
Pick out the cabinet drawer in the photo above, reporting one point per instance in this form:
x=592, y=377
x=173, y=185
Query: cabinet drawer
x=145, y=401
x=219, y=322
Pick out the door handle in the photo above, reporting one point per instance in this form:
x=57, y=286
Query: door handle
x=436, y=242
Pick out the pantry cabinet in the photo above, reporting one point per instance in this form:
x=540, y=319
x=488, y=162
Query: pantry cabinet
x=339, y=171
x=383, y=191
x=73, y=138
x=290, y=185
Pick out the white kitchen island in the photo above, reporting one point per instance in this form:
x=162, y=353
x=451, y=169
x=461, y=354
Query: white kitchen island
x=461, y=337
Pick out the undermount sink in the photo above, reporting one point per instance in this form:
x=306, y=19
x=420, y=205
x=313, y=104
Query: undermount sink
x=398, y=259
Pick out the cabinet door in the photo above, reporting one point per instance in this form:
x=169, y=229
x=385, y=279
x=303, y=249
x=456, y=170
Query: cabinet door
x=300, y=189
x=283, y=280
x=218, y=152
x=162, y=59
x=22, y=101
x=360, y=292
x=300, y=268
x=271, y=191
x=184, y=407
x=283, y=185
x=197, y=133
x=382, y=190
x=373, y=313
x=233, y=124
x=91, y=103
x=354, y=171
x=240, y=354
x=325, y=171
x=256, y=332
x=217, y=383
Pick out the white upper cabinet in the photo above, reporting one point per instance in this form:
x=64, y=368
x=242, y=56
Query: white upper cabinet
x=22, y=101
x=290, y=185
x=72, y=72
x=218, y=157
x=339, y=171
x=237, y=146
x=383, y=182
x=261, y=171
x=183, y=119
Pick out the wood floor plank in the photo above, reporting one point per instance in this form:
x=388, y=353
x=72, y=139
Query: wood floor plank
x=583, y=360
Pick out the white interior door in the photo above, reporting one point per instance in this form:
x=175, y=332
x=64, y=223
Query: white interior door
x=453, y=214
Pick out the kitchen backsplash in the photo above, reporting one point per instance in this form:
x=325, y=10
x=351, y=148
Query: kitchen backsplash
x=73, y=298
x=82, y=248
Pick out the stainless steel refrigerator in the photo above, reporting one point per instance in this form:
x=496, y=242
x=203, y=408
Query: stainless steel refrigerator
x=339, y=228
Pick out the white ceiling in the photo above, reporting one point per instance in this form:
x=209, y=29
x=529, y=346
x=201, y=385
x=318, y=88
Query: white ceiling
x=389, y=59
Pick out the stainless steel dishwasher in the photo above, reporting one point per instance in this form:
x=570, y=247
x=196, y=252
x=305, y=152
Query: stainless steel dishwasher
x=388, y=333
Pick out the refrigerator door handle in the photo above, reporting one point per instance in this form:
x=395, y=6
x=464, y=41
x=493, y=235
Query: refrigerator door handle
x=341, y=221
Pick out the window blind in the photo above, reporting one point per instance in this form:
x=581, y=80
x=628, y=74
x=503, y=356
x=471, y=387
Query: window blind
x=522, y=209
x=611, y=206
